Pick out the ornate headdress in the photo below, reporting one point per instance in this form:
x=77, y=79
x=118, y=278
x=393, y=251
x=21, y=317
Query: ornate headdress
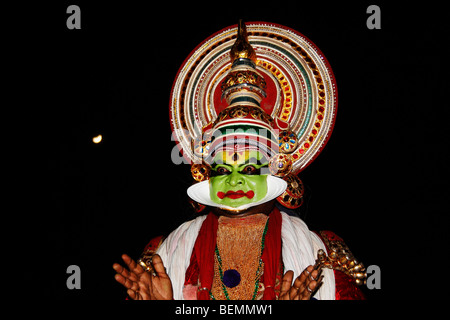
x=258, y=86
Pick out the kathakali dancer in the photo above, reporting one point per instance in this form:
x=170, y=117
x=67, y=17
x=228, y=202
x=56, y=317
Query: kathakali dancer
x=250, y=108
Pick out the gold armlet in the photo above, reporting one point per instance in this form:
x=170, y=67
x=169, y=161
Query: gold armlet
x=341, y=259
x=145, y=260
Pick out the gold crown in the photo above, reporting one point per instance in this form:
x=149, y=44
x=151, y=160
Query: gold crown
x=243, y=84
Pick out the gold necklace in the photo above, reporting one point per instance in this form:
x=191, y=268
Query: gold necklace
x=238, y=265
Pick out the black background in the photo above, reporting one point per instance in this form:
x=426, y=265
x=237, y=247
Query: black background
x=381, y=183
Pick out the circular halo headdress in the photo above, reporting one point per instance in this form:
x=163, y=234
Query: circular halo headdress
x=265, y=67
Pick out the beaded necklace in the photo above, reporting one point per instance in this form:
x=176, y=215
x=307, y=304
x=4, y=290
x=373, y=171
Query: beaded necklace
x=258, y=271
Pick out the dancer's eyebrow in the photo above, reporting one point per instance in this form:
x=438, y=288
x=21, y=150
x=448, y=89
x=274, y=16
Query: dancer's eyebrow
x=215, y=165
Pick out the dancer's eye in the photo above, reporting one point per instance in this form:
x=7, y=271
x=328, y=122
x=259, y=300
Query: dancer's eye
x=250, y=170
x=222, y=171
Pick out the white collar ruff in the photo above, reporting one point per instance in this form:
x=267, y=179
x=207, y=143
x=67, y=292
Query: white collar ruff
x=200, y=192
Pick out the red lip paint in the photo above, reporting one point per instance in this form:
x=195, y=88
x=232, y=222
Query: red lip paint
x=236, y=194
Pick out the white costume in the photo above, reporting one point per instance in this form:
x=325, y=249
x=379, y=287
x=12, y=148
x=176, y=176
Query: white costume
x=299, y=249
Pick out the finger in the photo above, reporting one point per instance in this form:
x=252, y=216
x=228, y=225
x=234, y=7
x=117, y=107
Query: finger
x=308, y=275
x=121, y=270
x=312, y=288
x=120, y=279
x=133, y=294
x=127, y=283
x=158, y=266
x=118, y=268
x=300, y=283
x=318, y=266
x=313, y=276
x=309, y=290
x=132, y=265
x=293, y=292
x=296, y=287
x=286, y=283
x=319, y=284
x=303, y=276
x=124, y=272
x=306, y=283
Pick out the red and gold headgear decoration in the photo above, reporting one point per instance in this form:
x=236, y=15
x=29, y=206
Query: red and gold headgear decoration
x=266, y=80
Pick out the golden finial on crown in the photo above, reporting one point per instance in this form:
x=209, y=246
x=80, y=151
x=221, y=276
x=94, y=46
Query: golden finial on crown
x=242, y=48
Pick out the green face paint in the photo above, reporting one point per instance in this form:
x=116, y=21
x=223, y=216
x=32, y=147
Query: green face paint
x=237, y=178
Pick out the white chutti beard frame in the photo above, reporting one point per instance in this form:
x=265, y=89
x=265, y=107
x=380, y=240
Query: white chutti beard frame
x=200, y=192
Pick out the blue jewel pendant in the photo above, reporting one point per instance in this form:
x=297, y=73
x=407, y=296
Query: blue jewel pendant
x=231, y=278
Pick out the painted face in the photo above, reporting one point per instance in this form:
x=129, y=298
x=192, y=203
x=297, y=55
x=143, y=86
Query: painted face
x=238, y=178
